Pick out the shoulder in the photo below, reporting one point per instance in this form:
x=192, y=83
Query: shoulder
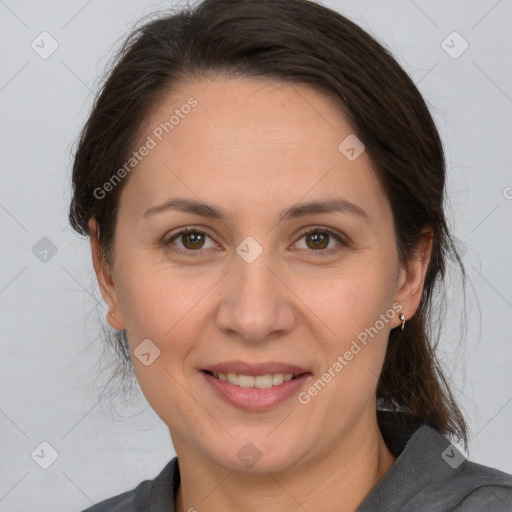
x=486, y=489
x=431, y=474
x=488, y=498
x=456, y=484
x=150, y=495
x=129, y=501
x=462, y=487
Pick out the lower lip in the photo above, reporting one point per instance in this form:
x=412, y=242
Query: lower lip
x=255, y=399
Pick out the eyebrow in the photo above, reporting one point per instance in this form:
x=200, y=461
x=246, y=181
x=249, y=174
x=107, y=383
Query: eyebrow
x=298, y=210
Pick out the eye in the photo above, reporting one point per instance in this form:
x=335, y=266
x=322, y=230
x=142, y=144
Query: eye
x=317, y=241
x=192, y=240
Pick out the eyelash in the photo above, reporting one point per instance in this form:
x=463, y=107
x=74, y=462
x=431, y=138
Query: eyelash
x=311, y=252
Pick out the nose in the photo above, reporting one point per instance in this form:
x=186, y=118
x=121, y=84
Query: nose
x=256, y=304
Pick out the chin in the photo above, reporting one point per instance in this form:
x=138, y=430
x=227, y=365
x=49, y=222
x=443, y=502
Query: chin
x=259, y=454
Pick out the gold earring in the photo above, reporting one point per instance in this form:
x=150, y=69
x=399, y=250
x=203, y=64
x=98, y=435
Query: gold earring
x=402, y=319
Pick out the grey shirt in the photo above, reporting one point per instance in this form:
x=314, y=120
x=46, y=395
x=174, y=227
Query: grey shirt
x=429, y=475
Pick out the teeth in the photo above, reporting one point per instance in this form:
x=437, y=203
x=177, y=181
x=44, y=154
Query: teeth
x=232, y=378
x=251, y=381
x=277, y=378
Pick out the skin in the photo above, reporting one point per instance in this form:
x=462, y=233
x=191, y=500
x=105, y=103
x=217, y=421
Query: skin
x=256, y=148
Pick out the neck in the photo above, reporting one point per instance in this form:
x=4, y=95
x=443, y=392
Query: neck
x=336, y=480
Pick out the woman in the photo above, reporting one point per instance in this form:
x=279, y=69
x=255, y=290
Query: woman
x=263, y=189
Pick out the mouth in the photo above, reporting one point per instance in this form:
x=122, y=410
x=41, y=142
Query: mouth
x=255, y=393
x=263, y=381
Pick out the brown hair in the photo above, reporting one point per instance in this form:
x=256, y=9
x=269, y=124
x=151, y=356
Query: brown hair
x=295, y=41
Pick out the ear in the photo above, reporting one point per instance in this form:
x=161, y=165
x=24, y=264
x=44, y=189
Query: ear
x=105, y=278
x=412, y=278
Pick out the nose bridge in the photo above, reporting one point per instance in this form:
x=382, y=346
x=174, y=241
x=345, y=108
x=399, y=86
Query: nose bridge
x=255, y=303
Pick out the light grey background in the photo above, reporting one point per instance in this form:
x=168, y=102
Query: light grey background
x=50, y=335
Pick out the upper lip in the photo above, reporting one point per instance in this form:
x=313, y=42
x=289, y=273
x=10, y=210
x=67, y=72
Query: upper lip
x=241, y=367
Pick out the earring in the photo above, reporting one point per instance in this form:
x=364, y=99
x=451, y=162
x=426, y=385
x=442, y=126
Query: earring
x=402, y=319
x=114, y=320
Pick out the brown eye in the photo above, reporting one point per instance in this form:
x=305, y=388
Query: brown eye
x=189, y=241
x=193, y=240
x=317, y=241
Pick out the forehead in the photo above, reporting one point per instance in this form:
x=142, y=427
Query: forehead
x=254, y=143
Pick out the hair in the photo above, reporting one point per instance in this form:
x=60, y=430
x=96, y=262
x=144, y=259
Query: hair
x=299, y=42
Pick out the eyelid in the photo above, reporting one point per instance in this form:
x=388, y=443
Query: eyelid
x=341, y=238
x=181, y=231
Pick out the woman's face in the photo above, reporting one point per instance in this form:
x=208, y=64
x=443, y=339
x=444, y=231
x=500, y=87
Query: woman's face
x=248, y=291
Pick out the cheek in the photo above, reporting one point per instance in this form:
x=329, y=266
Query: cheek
x=357, y=311
x=156, y=300
x=351, y=299
x=167, y=308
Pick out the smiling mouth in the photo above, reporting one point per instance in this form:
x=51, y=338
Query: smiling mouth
x=254, y=381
